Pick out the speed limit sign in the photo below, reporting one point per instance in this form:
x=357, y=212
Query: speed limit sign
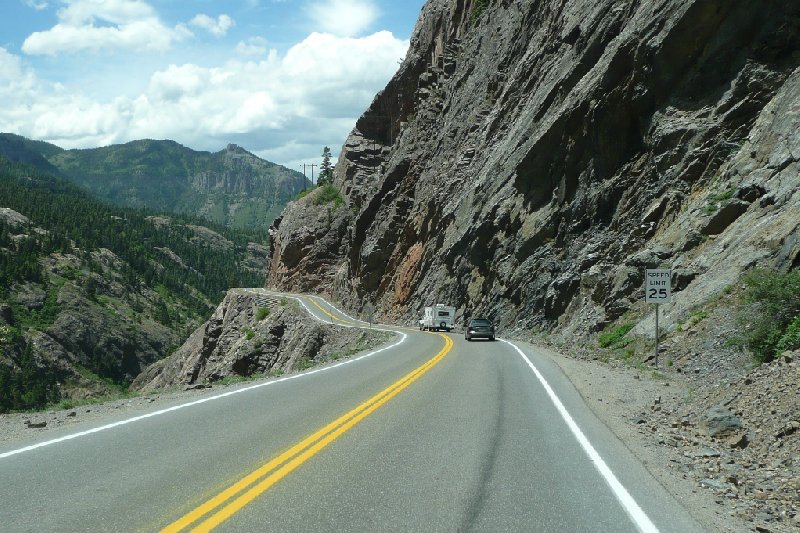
x=657, y=285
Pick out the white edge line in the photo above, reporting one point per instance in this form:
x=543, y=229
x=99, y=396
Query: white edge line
x=98, y=429
x=637, y=515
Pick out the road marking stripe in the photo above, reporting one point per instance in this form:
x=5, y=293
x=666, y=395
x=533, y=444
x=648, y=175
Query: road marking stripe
x=328, y=313
x=127, y=421
x=297, y=454
x=636, y=514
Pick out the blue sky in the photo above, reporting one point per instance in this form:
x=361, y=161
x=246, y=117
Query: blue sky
x=281, y=78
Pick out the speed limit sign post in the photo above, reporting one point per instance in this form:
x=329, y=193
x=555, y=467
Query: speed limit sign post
x=657, y=290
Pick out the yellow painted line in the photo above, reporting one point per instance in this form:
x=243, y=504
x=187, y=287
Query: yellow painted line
x=296, y=455
x=329, y=314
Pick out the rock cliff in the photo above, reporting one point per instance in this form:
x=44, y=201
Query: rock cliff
x=530, y=159
x=249, y=335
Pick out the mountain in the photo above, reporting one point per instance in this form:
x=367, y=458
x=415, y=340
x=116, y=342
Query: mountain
x=528, y=162
x=232, y=187
x=91, y=294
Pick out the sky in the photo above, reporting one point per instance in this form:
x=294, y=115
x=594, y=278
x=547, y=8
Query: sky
x=280, y=78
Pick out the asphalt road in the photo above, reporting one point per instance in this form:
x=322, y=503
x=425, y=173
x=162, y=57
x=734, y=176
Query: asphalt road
x=431, y=433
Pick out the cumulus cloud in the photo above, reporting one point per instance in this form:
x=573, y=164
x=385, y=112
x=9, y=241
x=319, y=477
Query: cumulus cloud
x=103, y=25
x=274, y=104
x=218, y=27
x=254, y=46
x=346, y=18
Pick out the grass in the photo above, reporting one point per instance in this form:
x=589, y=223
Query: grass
x=328, y=194
x=303, y=193
x=615, y=337
x=248, y=333
x=262, y=313
x=769, y=313
x=693, y=320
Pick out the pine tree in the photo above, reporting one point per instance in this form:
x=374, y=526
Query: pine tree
x=325, y=169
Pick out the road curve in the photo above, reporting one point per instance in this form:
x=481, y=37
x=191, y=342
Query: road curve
x=429, y=433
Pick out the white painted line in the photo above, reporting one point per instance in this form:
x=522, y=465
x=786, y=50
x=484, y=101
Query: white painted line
x=72, y=436
x=637, y=515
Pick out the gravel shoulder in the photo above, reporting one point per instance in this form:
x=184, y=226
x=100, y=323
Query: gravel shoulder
x=745, y=478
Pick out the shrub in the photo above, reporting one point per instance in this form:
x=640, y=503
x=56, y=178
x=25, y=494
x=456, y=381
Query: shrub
x=249, y=333
x=615, y=336
x=790, y=340
x=768, y=313
x=262, y=313
x=328, y=194
x=477, y=10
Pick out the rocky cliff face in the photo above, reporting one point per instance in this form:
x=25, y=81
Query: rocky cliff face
x=529, y=160
x=250, y=336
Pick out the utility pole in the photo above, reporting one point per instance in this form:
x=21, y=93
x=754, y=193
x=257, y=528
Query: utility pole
x=312, y=165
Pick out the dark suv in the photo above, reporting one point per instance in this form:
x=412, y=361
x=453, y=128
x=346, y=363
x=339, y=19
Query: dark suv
x=479, y=328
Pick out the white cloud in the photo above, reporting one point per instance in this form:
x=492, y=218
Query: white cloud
x=277, y=104
x=218, y=27
x=346, y=18
x=38, y=6
x=254, y=46
x=104, y=25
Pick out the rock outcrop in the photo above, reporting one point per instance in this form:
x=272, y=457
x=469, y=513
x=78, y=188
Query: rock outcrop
x=250, y=336
x=530, y=160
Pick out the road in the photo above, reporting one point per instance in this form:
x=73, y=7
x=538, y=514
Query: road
x=429, y=433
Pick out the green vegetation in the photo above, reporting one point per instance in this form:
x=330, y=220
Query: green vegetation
x=249, y=333
x=478, y=7
x=262, y=313
x=304, y=363
x=769, y=313
x=67, y=227
x=724, y=195
x=328, y=194
x=325, y=168
x=28, y=385
x=74, y=220
x=717, y=199
x=165, y=176
x=693, y=320
x=615, y=337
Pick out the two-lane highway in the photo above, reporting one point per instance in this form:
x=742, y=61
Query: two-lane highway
x=429, y=433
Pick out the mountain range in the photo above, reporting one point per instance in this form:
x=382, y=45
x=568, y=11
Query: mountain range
x=91, y=293
x=231, y=187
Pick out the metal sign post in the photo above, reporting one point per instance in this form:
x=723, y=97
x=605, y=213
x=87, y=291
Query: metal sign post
x=657, y=290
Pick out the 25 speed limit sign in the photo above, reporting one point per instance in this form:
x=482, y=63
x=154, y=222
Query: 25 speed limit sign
x=657, y=285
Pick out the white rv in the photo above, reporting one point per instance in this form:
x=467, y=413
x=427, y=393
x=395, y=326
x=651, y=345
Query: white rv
x=438, y=317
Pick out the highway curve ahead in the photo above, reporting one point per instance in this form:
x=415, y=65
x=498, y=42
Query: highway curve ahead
x=431, y=433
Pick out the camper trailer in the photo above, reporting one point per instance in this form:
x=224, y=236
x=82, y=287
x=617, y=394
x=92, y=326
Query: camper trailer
x=438, y=317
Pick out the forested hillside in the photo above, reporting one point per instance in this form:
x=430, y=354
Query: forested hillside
x=231, y=187
x=90, y=293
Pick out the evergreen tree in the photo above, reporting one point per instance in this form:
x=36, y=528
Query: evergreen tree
x=325, y=169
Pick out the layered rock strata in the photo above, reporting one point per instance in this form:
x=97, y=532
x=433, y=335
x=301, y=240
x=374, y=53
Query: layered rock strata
x=528, y=161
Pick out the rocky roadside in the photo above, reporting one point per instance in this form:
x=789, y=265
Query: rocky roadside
x=730, y=455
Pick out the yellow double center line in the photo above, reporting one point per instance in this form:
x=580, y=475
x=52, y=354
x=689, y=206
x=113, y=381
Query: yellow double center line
x=229, y=501
x=339, y=319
